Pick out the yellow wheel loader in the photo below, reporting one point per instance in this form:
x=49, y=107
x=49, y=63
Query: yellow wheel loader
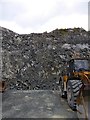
x=74, y=79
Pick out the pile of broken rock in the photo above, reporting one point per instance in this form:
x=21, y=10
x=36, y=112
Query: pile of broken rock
x=33, y=61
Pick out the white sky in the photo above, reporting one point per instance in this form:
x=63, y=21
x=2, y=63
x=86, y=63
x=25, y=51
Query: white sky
x=27, y=16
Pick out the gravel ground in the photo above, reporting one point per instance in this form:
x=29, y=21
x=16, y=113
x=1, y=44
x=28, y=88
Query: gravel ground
x=35, y=104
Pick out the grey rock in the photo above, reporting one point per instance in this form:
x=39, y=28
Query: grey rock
x=33, y=61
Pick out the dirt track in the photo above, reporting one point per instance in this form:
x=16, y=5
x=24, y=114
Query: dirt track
x=35, y=104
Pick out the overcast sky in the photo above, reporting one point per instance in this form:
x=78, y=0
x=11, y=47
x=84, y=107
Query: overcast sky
x=27, y=16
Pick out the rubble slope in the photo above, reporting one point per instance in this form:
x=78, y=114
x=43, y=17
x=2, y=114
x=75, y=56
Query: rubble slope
x=33, y=61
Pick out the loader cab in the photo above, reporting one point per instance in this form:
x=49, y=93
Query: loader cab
x=78, y=65
x=81, y=65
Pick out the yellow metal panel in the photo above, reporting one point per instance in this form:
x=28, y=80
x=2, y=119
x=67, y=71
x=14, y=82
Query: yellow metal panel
x=65, y=77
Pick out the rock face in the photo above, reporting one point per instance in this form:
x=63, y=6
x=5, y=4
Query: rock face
x=33, y=61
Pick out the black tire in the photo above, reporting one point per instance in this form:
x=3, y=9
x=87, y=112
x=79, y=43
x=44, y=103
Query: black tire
x=73, y=87
x=62, y=92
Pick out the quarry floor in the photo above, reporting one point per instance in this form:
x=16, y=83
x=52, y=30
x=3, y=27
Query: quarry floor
x=35, y=104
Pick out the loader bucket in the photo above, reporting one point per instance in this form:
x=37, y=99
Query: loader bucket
x=83, y=103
